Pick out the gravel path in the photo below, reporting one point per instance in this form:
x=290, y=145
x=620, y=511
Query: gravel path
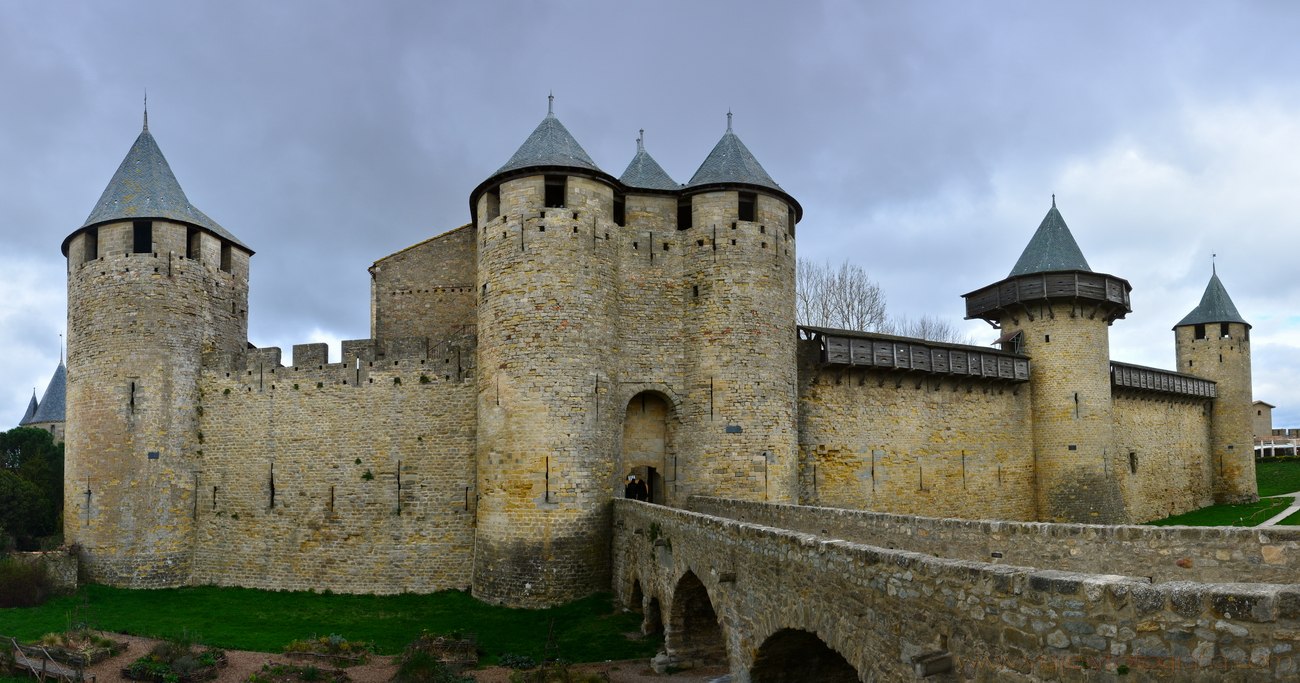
x=380, y=669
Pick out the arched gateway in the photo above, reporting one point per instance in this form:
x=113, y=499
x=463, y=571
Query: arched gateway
x=647, y=444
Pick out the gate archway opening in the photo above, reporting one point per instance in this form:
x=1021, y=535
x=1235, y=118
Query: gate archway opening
x=795, y=656
x=647, y=444
x=694, y=636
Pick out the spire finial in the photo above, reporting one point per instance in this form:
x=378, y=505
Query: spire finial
x=640, y=141
x=1053, y=200
x=146, y=110
x=60, y=348
x=1213, y=269
x=728, y=120
x=550, y=104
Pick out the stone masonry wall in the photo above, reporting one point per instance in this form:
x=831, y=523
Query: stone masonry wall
x=138, y=327
x=1206, y=554
x=425, y=290
x=907, y=444
x=1164, y=444
x=879, y=608
x=312, y=480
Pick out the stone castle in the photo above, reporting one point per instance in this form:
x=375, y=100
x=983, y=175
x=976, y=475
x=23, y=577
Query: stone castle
x=580, y=327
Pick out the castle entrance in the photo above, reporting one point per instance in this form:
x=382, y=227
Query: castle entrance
x=646, y=443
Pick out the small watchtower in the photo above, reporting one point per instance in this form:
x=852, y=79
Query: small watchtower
x=1054, y=308
x=1213, y=341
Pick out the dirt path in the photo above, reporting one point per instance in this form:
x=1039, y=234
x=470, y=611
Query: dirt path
x=242, y=664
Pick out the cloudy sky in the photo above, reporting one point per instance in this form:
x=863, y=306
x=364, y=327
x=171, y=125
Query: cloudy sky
x=924, y=140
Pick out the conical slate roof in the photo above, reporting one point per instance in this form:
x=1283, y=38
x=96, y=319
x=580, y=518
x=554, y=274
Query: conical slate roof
x=1215, y=307
x=31, y=410
x=551, y=144
x=53, y=403
x=731, y=162
x=646, y=173
x=1052, y=248
x=145, y=187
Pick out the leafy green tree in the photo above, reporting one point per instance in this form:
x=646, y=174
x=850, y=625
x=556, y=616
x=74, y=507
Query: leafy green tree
x=31, y=485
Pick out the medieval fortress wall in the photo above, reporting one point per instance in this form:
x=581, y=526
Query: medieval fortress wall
x=583, y=326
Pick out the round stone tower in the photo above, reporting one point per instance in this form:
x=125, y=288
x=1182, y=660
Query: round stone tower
x=1213, y=341
x=739, y=424
x=1055, y=309
x=546, y=312
x=154, y=286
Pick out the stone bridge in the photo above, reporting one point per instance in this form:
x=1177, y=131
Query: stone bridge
x=777, y=604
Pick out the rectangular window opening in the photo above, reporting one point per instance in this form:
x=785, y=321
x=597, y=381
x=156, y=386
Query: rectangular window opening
x=683, y=213
x=225, y=257
x=746, y=206
x=142, y=237
x=620, y=210
x=193, y=243
x=1132, y=462
x=92, y=245
x=1223, y=331
x=492, y=204
x=555, y=189
x=1199, y=332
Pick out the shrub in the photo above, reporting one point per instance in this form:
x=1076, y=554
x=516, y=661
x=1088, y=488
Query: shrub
x=24, y=584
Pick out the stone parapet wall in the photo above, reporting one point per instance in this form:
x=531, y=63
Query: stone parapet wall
x=1163, y=554
x=311, y=481
x=905, y=443
x=1163, y=443
x=881, y=608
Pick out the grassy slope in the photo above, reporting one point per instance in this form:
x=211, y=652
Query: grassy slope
x=1277, y=477
x=1248, y=514
x=245, y=619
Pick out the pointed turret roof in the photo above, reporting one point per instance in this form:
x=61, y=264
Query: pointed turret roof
x=1215, y=307
x=550, y=144
x=145, y=187
x=645, y=173
x=31, y=410
x=53, y=402
x=1052, y=248
x=731, y=162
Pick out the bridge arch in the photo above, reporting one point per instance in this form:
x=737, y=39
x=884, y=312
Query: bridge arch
x=795, y=656
x=694, y=635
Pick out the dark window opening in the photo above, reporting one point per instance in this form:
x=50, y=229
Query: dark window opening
x=1073, y=447
x=142, y=242
x=665, y=246
x=193, y=243
x=620, y=210
x=1047, y=339
x=695, y=290
x=683, y=213
x=746, y=209
x=1223, y=330
x=92, y=244
x=1199, y=332
x=555, y=188
x=225, y=257
x=790, y=221
x=1132, y=462
x=492, y=205
x=635, y=246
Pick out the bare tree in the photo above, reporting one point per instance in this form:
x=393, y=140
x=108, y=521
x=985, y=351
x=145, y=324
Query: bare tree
x=928, y=327
x=842, y=297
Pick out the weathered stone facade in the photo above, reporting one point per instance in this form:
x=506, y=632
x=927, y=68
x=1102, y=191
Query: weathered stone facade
x=579, y=328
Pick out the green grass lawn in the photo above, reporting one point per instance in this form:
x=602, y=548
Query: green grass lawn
x=1276, y=477
x=1247, y=514
x=245, y=619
